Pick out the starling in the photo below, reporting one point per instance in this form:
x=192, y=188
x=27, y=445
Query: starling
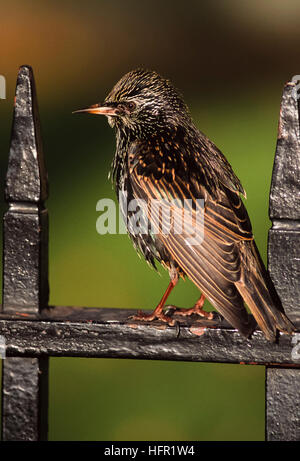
x=161, y=157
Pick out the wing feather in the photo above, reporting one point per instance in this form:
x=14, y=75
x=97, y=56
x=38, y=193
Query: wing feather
x=222, y=260
x=212, y=262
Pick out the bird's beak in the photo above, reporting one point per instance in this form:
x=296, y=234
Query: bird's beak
x=99, y=109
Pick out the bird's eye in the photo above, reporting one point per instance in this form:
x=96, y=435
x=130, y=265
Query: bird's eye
x=131, y=105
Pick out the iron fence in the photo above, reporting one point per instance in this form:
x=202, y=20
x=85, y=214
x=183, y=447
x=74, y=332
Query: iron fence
x=33, y=331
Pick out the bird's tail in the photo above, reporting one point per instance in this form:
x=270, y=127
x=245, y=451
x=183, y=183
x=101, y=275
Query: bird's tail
x=259, y=293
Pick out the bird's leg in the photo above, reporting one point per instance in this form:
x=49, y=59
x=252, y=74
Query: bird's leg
x=158, y=313
x=197, y=309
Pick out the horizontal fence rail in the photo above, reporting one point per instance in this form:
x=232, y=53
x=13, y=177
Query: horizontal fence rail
x=34, y=331
x=105, y=332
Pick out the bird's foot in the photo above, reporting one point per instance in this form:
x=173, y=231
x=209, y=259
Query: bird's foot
x=193, y=310
x=197, y=309
x=141, y=316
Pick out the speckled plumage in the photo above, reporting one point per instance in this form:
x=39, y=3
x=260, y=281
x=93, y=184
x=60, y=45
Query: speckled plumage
x=160, y=154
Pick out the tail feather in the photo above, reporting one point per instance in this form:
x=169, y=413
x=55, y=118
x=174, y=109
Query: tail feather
x=260, y=295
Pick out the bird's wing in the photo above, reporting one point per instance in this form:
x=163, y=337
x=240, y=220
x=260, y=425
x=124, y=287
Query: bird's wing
x=206, y=249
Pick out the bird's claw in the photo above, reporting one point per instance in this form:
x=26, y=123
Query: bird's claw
x=184, y=312
x=141, y=316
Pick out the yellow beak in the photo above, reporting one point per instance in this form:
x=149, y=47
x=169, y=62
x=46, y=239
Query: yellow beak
x=99, y=110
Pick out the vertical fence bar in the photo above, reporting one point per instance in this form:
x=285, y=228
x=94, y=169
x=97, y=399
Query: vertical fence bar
x=283, y=385
x=25, y=264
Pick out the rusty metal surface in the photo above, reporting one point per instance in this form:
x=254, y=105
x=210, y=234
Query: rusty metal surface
x=101, y=332
x=26, y=179
x=282, y=385
x=284, y=194
x=25, y=399
x=283, y=404
x=25, y=265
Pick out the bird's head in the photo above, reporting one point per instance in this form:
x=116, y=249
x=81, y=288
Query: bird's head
x=144, y=103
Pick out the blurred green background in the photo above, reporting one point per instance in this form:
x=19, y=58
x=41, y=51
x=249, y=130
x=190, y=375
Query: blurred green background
x=230, y=59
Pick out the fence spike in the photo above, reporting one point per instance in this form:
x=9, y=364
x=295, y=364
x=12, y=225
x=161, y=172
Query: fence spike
x=285, y=188
x=26, y=179
x=282, y=384
x=25, y=268
x=25, y=265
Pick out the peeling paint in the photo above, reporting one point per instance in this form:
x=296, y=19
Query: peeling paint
x=199, y=331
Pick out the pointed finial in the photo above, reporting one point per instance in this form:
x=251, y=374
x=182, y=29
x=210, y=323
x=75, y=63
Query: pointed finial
x=285, y=188
x=25, y=223
x=26, y=179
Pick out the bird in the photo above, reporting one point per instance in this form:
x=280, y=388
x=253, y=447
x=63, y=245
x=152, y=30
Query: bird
x=162, y=158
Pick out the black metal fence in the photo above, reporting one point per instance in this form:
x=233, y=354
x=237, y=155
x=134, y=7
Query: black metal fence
x=33, y=331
